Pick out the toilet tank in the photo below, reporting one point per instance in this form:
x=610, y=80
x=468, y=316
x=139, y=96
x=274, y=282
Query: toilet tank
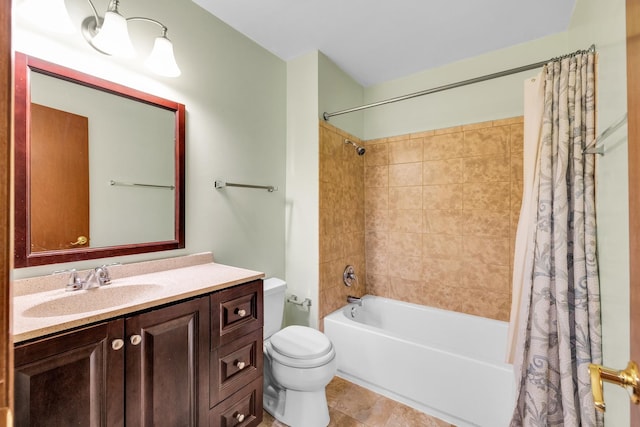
x=274, y=294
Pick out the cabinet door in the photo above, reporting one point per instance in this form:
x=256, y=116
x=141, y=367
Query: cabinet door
x=167, y=369
x=73, y=379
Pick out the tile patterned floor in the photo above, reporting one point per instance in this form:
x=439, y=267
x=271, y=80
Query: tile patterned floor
x=353, y=406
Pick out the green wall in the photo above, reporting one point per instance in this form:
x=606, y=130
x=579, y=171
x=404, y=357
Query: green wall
x=235, y=96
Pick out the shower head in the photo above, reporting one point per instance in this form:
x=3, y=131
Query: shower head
x=360, y=150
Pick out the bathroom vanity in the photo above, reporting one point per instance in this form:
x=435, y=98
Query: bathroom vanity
x=184, y=349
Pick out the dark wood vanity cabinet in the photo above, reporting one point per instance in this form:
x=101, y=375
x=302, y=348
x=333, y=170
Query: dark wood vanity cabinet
x=72, y=379
x=192, y=363
x=236, y=361
x=166, y=359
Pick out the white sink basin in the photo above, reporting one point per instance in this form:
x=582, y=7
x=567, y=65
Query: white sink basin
x=93, y=299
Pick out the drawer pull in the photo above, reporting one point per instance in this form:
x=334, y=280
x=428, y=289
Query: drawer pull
x=240, y=365
x=240, y=417
x=117, y=344
x=136, y=339
x=241, y=312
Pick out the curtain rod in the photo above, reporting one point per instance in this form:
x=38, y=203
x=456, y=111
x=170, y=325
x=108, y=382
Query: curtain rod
x=516, y=70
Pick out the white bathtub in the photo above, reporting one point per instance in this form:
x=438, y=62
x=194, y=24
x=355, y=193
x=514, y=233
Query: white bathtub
x=446, y=364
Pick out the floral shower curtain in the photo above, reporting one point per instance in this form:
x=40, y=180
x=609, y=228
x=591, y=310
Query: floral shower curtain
x=559, y=312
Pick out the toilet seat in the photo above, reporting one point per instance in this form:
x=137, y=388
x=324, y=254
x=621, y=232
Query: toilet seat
x=301, y=347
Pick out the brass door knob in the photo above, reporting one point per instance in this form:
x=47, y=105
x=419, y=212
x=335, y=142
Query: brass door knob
x=82, y=240
x=627, y=378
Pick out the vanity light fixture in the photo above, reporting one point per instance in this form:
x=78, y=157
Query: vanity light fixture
x=110, y=36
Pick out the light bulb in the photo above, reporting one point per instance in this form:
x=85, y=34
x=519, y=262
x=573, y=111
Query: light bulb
x=161, y=60
x=113, y=36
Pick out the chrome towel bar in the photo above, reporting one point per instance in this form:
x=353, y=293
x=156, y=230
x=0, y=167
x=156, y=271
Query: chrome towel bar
x=135, y=184
x=222, y=184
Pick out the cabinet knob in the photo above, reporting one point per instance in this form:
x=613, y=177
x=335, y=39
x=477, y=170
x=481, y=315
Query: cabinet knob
x=240, y=417
x=241, y=312
x=117, y=344
x=136, y=339
x=240, y=365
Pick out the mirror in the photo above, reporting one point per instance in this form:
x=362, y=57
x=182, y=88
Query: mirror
x=99, y=167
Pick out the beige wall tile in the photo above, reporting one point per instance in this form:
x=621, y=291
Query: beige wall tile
x=376, y=198
x=509, y=121
x=353, y=245
x=409, y=244
x=442, y=196
x=376, y=176
x=377, y=285
x=377, y=264
x=405, y=174
x=405, y=289
x=486, y=276
x=489, y=195
x=376, y=243
x=487, y=169
x=405, y=220
x=442, y=172
x=353, y=219
x=404, y=267
x=405, y=197
x=475, y=126
x=452, y=129
x=420, y=244
x=406, y=151
x=376, y=219
x=441, y=246
x=482, y=302
x=443, y=221
x=331, y=248
x=486, y=223
x=376, y=155
x=422, y=134
x=487, y=142
x=342, y=215
x=516, y=196
x=516, y=168
x=487, y=250
x=442, y=272
x=517, y=138
x=444, y=297
x=445, y=146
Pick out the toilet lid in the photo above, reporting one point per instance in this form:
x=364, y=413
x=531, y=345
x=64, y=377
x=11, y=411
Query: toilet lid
x=301, y=342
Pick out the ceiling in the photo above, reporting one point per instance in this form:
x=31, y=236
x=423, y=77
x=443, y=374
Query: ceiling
x=380, y=40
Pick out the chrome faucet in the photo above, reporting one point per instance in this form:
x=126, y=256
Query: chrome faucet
x=97, y=277
x=354, y=300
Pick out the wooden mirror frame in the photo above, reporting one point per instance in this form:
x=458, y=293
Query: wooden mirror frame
x=25, y=64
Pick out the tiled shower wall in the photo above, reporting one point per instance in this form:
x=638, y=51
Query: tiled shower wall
x=432, y=214
x=341, y=217
x=441, y=210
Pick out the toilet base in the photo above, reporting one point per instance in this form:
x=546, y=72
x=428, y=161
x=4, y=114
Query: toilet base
x=298, y=408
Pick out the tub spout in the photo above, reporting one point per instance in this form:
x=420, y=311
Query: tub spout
x=354, y=300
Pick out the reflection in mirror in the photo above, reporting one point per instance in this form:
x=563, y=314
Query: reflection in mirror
x=99, y=167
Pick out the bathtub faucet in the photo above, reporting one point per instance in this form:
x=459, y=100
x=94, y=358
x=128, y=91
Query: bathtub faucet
x=354, y=300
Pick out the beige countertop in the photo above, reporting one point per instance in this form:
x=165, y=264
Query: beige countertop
x=48, y=311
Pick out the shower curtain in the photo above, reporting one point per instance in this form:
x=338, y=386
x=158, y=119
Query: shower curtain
x=555, y=270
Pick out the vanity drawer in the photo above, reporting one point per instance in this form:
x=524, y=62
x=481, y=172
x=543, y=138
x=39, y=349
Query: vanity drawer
x=236, y=312
x=234, y=365
x=242, y=409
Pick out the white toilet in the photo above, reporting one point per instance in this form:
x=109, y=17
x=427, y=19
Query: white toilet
x=299, y=362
